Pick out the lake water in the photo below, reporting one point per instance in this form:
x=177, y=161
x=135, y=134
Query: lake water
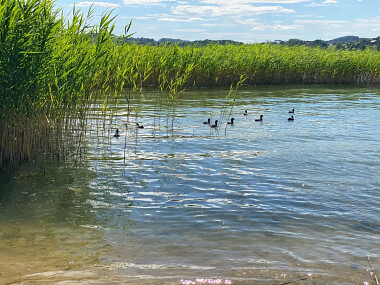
x=265, y=202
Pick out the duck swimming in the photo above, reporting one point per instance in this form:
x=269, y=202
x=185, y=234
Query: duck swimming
x=245, y=113
x=259, y=120
x=208, y=122
x=215, y=125
x=232, y=121
x=116, y=135
x=139, y=126
x=291, y=118
x=291, y=112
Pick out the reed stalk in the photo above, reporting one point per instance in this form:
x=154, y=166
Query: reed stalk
x=231, y=97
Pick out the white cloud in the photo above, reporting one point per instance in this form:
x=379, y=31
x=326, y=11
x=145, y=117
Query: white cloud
x=228, y=10
x=314, y=5
x=327, y=2
x=323, y=27
x=367, y=24
x=322, y=22
x=308, y=16
x=277, y=26
x=145, y=2
x=190, y=30
x=258, y=19
x=143, y=18
x=234, y=2
x=98, y=4
x=172, y=19
x=254, y=25
x=216, y=25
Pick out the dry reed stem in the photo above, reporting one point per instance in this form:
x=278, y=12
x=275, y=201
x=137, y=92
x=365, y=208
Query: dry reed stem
x=374, y=273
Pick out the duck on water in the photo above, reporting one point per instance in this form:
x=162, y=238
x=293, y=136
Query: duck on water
x=259, y=120
x=208, y=122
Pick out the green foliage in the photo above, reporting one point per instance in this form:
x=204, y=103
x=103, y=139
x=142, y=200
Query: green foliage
x=222, y=65
x=294, y=42
x=51, y=68
x=26, y=28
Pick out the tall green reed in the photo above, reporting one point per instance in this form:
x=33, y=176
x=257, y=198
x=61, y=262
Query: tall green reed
x=50, y=69
x=173, y=76
x=222, y=65
x=232, y=97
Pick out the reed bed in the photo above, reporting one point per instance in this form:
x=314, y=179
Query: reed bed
x=52, y=68
x=222, y=65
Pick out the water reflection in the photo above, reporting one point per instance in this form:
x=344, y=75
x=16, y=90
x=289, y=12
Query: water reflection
x=265, y=203
x=266, y=197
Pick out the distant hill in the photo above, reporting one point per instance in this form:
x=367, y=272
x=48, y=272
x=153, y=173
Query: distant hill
x=172, y=41
x=345, y=39
x=148, y=41
x=347, y=42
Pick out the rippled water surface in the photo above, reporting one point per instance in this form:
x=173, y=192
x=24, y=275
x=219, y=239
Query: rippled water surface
x=257, y=203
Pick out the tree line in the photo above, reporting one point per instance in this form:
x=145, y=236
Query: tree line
x=342, y=43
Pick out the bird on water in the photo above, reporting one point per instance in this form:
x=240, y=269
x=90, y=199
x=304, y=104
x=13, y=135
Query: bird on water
x=139, y=126
x=208, y=122
x=259, y=120
x=215, y=125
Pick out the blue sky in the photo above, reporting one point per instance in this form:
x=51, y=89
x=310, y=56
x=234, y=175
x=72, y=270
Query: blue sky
x=248, y=21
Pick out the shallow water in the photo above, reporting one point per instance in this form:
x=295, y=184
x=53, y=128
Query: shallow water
x=260, y=203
